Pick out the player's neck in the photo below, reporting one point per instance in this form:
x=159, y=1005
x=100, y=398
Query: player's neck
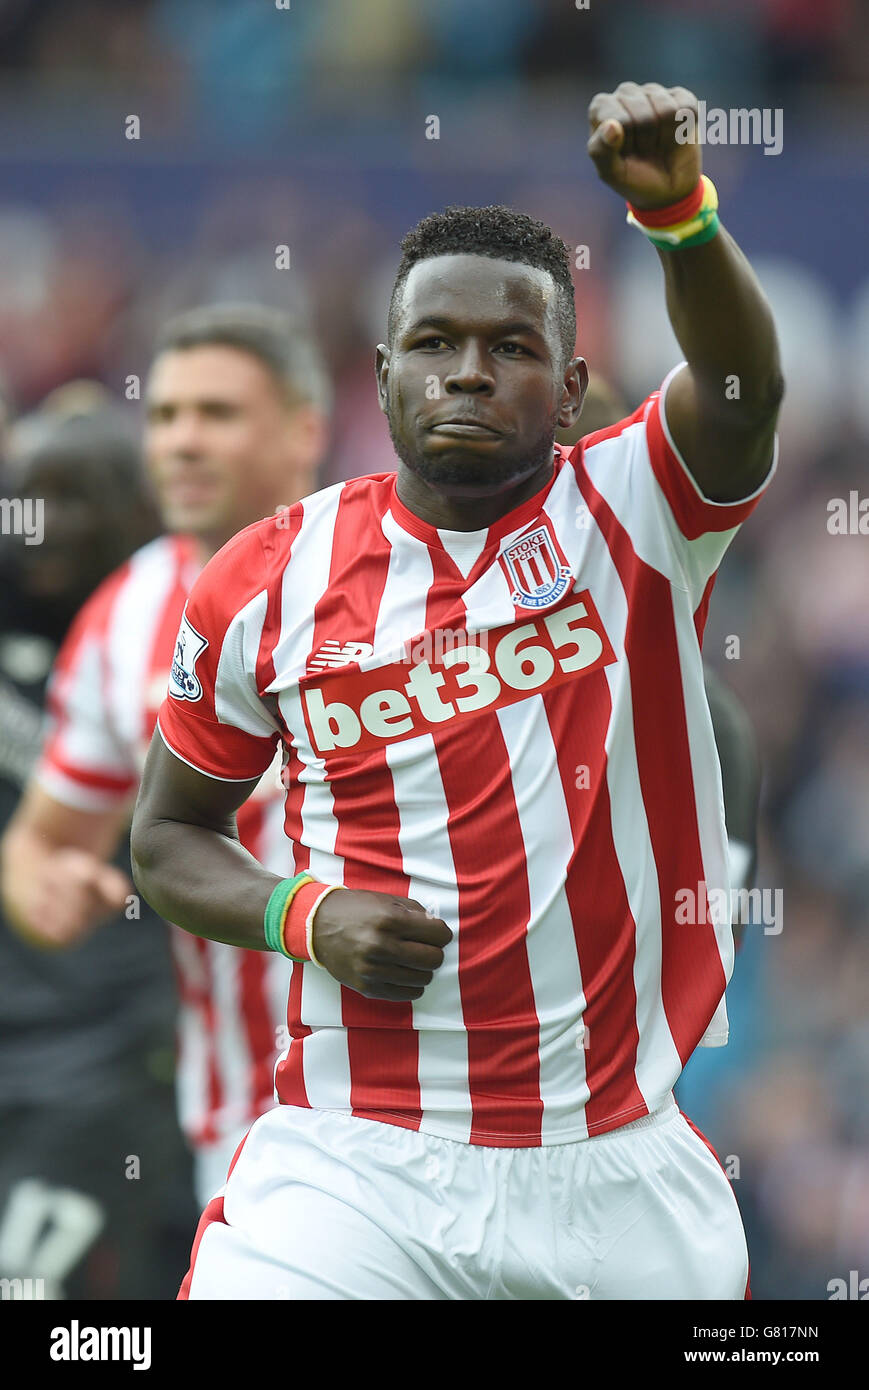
x=471, y=513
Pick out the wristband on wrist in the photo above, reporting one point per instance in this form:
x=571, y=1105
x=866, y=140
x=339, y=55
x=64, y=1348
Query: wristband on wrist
x=690, y=222
x=310, y=915
x=276, y=911
x=289, y=916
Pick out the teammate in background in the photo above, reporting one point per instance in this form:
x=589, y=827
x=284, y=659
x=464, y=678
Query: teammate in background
x=488, y=1019
x=86, y=1036
x=236, y=427
x=735, y=741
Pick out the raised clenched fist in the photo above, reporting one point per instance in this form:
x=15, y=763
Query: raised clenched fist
x=634, y=144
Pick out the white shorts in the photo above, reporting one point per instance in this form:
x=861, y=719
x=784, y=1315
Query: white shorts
x=322, y=1205
x=211, y=1164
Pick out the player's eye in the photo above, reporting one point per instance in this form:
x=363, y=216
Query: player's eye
x=520, y=348
x=429, y=342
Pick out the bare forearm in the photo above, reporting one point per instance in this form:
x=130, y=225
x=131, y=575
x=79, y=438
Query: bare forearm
x=56, y=884
x=40, y=830
x=22, y=853
x=725, y=328
x=202, y=880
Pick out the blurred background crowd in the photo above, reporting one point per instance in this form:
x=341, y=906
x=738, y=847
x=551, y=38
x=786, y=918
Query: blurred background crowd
x=308, y=128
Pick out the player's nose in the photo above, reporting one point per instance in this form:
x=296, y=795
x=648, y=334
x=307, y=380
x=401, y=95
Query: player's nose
x=471, y=370
x=183, y=437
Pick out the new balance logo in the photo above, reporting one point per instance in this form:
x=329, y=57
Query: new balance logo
x=334, y=654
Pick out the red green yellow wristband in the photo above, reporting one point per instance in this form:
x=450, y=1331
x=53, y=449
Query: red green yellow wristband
x=299, y=928
x=690, y=222
x=276, y=911
x=288, y=925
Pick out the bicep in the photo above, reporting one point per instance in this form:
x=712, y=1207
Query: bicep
x=172, y=790
x=727, y=456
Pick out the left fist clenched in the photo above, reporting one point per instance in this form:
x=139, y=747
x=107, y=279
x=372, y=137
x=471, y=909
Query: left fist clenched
x=633, y=142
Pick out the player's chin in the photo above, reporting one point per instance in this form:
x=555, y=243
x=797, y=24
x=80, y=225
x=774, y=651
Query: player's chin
x=196, y=520
x=467, y=471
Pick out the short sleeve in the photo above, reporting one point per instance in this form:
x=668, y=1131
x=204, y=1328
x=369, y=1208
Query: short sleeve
x=213, y=717
x=672, y=525
x=698, y=518
x=84, y=763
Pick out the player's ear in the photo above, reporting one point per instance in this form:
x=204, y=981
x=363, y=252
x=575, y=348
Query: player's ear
x=573, y=392
x=382, y=359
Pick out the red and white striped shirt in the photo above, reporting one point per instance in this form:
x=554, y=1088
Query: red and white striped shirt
x=547, y=784
x=109, y=680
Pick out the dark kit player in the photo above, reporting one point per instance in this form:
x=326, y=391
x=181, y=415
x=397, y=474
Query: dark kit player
x=487, y=1023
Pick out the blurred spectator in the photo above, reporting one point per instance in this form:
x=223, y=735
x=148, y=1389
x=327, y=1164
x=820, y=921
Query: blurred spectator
x=95, y=1184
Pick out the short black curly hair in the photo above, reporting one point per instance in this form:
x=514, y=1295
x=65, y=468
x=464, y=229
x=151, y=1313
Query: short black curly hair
x=502, y=234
